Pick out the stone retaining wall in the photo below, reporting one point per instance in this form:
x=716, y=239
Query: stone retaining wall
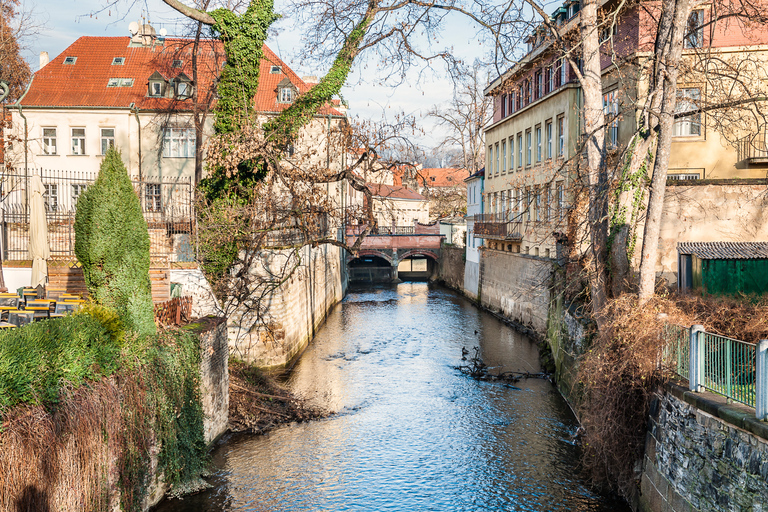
x=451, y=267
x=697, y=461
x=286, y=318
x=517, y=285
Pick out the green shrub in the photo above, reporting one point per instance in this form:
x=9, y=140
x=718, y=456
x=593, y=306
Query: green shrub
x=38, y=359
x=112, y=244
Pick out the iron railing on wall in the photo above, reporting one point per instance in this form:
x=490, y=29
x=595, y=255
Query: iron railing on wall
x=167, y=205
x=752, y=146
x=733, y=368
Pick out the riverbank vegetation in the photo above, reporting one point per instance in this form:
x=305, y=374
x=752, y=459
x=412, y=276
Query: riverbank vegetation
x=623, y=370
x=89, y=410
x=258, y=402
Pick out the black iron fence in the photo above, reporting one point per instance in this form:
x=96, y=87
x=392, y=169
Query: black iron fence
x=167, y=204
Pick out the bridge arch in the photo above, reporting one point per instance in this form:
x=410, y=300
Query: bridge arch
x=370, y=252
x=418, y=252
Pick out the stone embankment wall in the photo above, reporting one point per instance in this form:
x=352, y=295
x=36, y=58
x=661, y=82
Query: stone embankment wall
x=450, y=270
x=517, y=285
x=214, y=395
x=696, y=460
x=276, y=328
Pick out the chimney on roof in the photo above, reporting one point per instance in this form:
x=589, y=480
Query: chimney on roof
x=142, y=34
x=311, y=79
x=44, y=59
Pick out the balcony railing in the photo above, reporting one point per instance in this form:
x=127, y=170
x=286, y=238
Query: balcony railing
x=497, y=226
x=753, y=148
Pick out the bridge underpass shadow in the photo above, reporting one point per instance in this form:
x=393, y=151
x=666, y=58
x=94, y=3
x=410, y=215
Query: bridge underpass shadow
x=375, y=269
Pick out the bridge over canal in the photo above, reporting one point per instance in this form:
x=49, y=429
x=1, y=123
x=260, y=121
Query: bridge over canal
x=395, y=253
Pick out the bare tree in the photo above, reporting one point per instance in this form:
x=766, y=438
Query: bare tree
x=465, y=117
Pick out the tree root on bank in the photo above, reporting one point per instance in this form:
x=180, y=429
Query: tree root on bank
x=478, y=370
x=257, y=402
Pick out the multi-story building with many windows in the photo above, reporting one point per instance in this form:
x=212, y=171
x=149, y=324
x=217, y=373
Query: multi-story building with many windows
x=533, y=141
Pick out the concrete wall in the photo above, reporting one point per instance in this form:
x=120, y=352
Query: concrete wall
x=277, y=328
x=471, y=279
x=517, y=285
x=695, y=460
x=194, y=283
x=710, y=212
x=451, y=267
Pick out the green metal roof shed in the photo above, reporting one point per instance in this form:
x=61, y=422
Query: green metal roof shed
x=723, y=268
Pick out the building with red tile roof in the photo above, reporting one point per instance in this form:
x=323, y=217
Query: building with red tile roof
x=396, y=205
x=136, y=93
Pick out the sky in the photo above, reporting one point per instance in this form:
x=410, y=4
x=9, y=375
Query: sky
x=63, y=21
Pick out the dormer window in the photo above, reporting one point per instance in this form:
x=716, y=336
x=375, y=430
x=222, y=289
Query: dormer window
x=126, y=82
x=118, y=61
x=286, y=95
x=274, y=70
x=177, y=64
x=113, y=82
x=70, y=60
x=286, y=91
x=183, y=86
x=183, y=89
x=156, y=85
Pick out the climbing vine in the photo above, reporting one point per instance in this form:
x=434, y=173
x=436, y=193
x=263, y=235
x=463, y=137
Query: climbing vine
x=621, y=215
x=243, y=37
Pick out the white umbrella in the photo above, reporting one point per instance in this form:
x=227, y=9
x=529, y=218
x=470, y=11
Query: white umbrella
x=39, y=251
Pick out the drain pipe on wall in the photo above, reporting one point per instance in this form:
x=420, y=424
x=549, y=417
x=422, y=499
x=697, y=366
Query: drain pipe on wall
x=26, y=166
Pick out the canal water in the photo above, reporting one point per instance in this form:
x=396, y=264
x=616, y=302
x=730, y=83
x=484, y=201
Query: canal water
x=410, y=432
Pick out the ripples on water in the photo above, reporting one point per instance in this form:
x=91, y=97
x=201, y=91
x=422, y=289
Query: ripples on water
x=410, y=433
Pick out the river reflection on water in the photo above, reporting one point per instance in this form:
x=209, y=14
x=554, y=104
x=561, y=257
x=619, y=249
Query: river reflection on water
x=410, y=433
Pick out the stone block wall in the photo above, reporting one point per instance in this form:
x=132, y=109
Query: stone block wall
x=287, y=317
x=517, y=285
x=451, y=268
x=696, y=461
x=214, y=375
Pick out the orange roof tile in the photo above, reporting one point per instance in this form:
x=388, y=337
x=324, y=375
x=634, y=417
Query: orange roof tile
x=441, y=177
x=394, y=192
x=84, y=83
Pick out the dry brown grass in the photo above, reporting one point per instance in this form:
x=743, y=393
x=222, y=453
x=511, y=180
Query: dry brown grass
x=620, y=374
x=623, y=371
x=70, y=458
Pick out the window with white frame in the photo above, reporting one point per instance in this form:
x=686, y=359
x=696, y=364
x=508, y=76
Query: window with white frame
x=107, y=139
x=538, y=143
x=183, y=89
x=285, y=94
x=611, y=111
x=548, y=135
x=51, y=197
x=490, y=161
x=496, y=149
x=687, y=100
x=77, y=191
x=503, y=201
x=511, y=153
x=179, y=143
x=527, y=204
x=695, y=30
x=563, y=71
x=529, y=146
x=78, y=141
x=503, y=106
x=550, y=79
x=537, y=199
x=153, y=197
x=503, y=155
x=520, y=150
x=560, y=135
x=49, y=141
x=560, y=192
